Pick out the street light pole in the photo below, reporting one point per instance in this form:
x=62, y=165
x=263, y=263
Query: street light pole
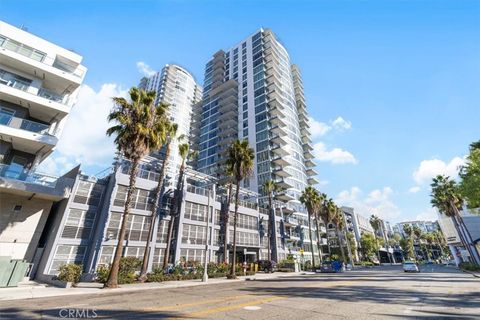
x=205, y=265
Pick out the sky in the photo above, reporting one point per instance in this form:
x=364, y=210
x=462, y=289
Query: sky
x=392, y=87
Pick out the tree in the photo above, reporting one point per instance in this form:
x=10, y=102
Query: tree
x=317, y=212
x=226, y=211
x=447, y=199
x=165, y=128
x=137, y=130
x=376, y=223
x=240, y=163
x=310, y=199
x=269, y=187
x=326, y=213
x=470, y=177
x=369, y=245
x=408, y=247
x=339, y=222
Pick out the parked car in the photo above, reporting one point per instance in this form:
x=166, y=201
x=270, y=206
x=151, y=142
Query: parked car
x=267, y=266
x=410, y=266
x=327, y=267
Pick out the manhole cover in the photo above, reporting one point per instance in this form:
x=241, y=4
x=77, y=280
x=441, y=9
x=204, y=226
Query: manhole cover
x=252, y=308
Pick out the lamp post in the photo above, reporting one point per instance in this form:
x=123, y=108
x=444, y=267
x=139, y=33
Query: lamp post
x=208, y=234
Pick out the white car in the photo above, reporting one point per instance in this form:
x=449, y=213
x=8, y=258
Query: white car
x=410, y=266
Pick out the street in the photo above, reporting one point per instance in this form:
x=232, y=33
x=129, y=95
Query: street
x=385, y=292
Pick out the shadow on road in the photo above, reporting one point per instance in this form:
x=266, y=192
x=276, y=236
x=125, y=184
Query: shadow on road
x=86, y=313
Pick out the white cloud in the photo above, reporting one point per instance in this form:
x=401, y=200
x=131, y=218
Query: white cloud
x=429, y=214
x=335, y=155
x=414, y=189
x=318, y=128
x=428, y=169
x=145, y=69
x=322, y=183
x=377, y=202
x=341, y=124
x=83, y=139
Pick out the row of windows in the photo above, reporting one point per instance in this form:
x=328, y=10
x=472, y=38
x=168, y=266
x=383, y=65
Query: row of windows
x=142, y=199
x=136, y=229
x=66, y=254
x=78, y=224
x=244, y=221
x=246, y=238
x=193, y=234
x=195, y=211
x=88, y=193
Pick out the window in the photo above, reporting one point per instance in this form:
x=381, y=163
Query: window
x=142, y=199
x=162, y=231
x=136, y=229
x=194, y=211
x=66, y=254
x=79, y=224
x=88, y=193
x=193, y=234
x=158, y=255
x=192, y=255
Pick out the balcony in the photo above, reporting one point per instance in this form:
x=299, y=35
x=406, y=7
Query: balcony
x=280, y=161
x=281, y=172
x=59, y=71
x=43, y=104
x=25, y=135
x=308, y=155
x=280, y=151
x=277, y=121
x=309, y=163
x=284, y=196
x=282, y=183
x=278, y=140
x=278, y=131
x=311, y=172
x=312, y=181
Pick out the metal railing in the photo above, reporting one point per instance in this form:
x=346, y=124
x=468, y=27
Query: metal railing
x=142, y=173
x=23, y=124
x=38, y=56
x=12, y=80
x=197, y=190
x=16, y=172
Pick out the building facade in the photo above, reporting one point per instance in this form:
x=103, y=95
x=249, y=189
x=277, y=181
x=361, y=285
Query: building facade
x=253, y=92
x=177, y=88
x=39, y=83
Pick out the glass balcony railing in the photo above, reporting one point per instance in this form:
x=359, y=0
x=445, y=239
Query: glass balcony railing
x=17, y=172
x=38, y=56
x=23, y=124
x=20, y=83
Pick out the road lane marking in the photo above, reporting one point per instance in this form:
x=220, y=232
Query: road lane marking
x=198, y=303
x=207, y=312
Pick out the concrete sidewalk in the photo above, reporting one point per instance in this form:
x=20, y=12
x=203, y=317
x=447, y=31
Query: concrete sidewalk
x=41, y=290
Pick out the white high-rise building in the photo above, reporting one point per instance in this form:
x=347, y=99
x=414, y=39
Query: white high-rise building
x=176, y=87
x=39, y=82
x=252, y=91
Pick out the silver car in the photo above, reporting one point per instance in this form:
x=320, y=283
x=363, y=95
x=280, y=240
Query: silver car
x=410, y=266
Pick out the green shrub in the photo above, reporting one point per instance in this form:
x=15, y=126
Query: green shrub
x=469, y=266
x=157, y=275
x=126, y=271
x=70, y=272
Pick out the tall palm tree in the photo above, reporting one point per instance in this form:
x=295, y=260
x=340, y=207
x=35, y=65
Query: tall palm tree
x=240, y=164
x=226, y=212
x=137, y=130
x=171, y=136
x=326, y=214
x=339, y=223
x=310, y=199
x=269, y=187
x=376, y=223
x=317, y=212
x=446, y=198
x=166, y=128
x=409, y=250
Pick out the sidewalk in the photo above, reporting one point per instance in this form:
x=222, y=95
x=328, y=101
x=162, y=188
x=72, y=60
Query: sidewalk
x=41, y=290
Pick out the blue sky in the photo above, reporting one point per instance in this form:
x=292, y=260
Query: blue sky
x=400, y=77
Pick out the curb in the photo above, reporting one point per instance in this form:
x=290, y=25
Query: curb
x=476, y=275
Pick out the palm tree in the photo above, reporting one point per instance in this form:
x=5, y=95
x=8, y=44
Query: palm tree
x=171, y=136
x=137, y=131
x=446, y=198
x=240, y=164
x=269, y=187
x=165, y=129
x=339, y=223
x=226, y=213
x=310, y=199
x=376, y=223
x=326, y=213
x=409, y=250
x=317, y=212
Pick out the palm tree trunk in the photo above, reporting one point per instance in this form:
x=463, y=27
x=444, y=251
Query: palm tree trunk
x=319, y=247
x=153, y=215
x=112, y=281
x=311, y=239
x=472, y=252
x=226, y=214
x=237, y=194
x=270, y=212
x=342, y=250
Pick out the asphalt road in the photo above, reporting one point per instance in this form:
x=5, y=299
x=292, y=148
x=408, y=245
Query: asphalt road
x=378, y=293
